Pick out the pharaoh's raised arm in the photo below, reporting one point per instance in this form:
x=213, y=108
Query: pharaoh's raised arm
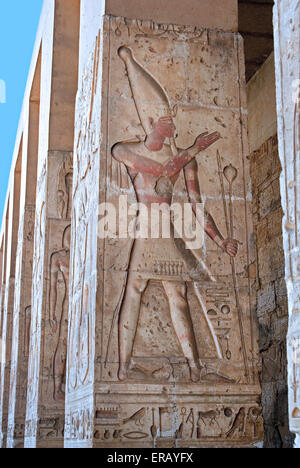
x=229, y=246
x=122, y=152
x=180, y=161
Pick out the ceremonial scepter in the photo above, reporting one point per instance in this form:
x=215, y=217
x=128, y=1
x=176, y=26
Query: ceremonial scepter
x=230, y=174
x=175, y=152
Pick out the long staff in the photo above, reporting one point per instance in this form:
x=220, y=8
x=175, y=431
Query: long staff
x=196, y=289
x=117, y=310
x=230, y=174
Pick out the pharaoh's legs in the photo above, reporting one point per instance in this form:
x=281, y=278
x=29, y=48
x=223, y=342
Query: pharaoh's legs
x=60, y=369
x=128, y=322
x=182, y=322
x=181, y=318
x=59, y=362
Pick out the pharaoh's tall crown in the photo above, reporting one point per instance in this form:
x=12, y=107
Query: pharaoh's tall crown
x=150, y=99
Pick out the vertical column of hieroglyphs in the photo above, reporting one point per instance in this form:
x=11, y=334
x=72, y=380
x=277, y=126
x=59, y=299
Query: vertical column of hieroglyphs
x=83, y=277
x=24, y=262
x=2, y=257
x=50, y=291
x=3, y=276
x=8, y=305
x=3, y=263
x=2, y=270
x=172, y=333
x=287, y=43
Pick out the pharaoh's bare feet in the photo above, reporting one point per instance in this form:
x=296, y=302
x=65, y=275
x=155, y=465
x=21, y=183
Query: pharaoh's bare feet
x=123, y=372
x=195, y=371
x=59, y=395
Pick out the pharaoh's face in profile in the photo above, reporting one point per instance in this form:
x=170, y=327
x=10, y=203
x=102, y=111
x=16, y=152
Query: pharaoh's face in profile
x=159, y=130
x=165, y=127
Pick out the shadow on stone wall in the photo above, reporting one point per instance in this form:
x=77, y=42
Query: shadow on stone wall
x=272, y=307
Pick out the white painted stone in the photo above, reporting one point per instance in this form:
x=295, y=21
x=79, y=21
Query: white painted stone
x=287, y=40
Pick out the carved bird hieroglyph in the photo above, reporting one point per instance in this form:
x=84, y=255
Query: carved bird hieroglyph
x=238, y=425
x=136, y=417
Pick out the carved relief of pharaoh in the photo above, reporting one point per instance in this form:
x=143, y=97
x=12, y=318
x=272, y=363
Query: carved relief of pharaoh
x=27, y=331
x=154, y=166
x=59, y=265
x=64, y=192
x=37, y=297
x=79, y=331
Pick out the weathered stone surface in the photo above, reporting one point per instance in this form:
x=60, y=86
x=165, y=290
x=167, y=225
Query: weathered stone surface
x=131, y=377
x=49, y=305
x=195, y=13
x=162, y=348
x=272, y=305
x=24, y=262
x=262, y=117
x=287, y=40
x=7, y=300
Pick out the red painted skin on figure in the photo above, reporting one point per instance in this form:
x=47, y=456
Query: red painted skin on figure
x=136, y=164
x=145, y=171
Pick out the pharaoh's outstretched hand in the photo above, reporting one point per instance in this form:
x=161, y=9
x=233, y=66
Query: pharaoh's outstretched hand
x=231, y=247
x=205, y=140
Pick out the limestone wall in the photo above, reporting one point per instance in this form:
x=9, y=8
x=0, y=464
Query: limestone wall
x=50, y=284
x=220, y=14
x=158, y=397
x=130, y=344
x=35, y=245
x=261, y=95
x=287, y=40
x=272, y=307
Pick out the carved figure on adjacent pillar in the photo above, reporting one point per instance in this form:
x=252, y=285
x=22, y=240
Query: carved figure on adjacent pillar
x=64, y=193
x=27, y=331
x=60, y=262
x=61, y=203
x=154, y=165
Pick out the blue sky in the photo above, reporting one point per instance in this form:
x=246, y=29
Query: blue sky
x=18, y=26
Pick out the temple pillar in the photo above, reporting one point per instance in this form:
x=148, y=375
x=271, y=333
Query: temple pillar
x=24, y=263
x=162, y=348
x=7, y=305
x=287, y=40
x=49, y=304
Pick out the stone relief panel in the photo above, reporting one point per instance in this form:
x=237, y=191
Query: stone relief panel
x=177, y=425
x=83, y=278
x=172, y=314
x=59, y=293
x=55, y=330
x=55, y=327
x=64, y=190
x=46, y=320
x=171, y=321
x=36, y=310
x=21, y=329
x=3, y=293
x=79, y=427
x=6, y=357
x=15, y=340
